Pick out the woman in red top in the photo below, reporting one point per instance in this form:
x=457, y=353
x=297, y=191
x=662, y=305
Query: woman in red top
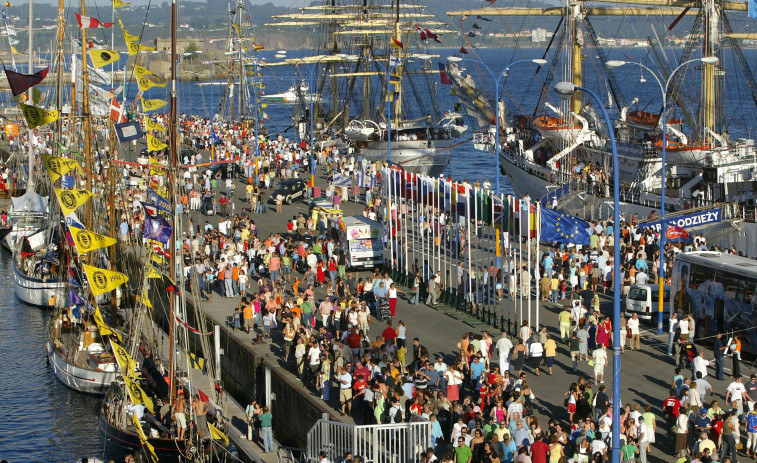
x=321, y=275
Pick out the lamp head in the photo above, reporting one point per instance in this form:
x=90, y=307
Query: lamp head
x=710, y=60
x=565, y=89
x=454, y=59
x=615, y=63
x=539, y=61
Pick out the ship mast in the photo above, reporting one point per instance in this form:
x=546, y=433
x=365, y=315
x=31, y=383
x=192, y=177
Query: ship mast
x=59, y=75
x=86, y=119
x=173, y=153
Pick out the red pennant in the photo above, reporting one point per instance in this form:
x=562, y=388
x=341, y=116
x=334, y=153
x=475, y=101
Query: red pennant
x=19, y=83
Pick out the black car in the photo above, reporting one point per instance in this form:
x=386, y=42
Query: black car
x=226, y=168
x=290, y=189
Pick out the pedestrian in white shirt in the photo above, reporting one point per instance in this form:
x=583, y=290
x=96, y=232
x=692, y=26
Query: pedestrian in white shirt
x=633, y=325
x=700, y=364
x=504, y=347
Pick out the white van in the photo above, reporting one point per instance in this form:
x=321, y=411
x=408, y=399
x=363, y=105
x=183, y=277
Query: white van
x=361, y=240
x=644, y=300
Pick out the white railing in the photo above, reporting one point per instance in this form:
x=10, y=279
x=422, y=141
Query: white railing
x=381, y=443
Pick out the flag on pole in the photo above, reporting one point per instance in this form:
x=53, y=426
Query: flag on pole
x=153, y=144
x=396, y=44
x=101, y=280
x=443, y=76
x=86, y=22
x=463, y=51
x=427, y=34
x=36, y=117
x=152, y=105
x=70, y=200
x=19, y=83
x=563, y=228
x=136, y=47
x=128, y=131
x=102, y=58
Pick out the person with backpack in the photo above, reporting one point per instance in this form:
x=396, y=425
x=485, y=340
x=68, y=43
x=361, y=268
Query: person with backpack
x=394, y=414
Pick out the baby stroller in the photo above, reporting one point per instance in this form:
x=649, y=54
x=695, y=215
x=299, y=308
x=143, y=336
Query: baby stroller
x=687, y=355
x=206, y=207
x=384, y=312
x=374, y=306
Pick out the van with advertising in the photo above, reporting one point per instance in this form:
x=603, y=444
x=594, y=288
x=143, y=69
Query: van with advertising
x=362, y=240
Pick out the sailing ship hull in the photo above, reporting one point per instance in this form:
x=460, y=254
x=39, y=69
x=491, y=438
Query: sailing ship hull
x=417, y=156
x=165, y=449
x=35, y=291
x=79, y=379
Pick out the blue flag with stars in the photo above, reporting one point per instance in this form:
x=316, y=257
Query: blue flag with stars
x=563, y=228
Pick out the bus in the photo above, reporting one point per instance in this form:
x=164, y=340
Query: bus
x=718, y=289
x=361, y=239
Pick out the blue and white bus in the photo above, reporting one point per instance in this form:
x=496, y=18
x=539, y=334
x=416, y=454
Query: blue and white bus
x=718, y=289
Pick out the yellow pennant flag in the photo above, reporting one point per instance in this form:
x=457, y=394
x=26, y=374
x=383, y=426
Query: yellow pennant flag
x=120, y=3
x=143, y=438
x=142, y=71
x=153, y=144
x=125, y=362
x=145, y=299
x=102, y=58
x=152, y=105
x=70, y=200
x=146, y=84
x=137, y=394
x=102, y=281
x=58, y=166
x=102, y=326
x=127, y=37
x=14, y=51
x=217, y=434
x=150, y=272
x=89, y=241
x=157, y=259
x=152, y=125
x=37, y=116
x=135, y=47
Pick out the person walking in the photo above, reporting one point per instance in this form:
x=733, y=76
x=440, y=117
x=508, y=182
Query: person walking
x=250, y=414
x=720, y=350
x=504, y=347
x=672, y=327
x=416, y=289
x=266, y=432
x=600, y=361
x=392, y=295
x=633, y=325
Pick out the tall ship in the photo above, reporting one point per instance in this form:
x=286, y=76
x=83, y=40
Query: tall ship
x=376, y=81
x=560, y=150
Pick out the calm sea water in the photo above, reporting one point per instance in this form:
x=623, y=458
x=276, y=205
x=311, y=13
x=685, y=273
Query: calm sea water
x=42, y=420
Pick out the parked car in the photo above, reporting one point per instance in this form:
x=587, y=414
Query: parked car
x=290, y=189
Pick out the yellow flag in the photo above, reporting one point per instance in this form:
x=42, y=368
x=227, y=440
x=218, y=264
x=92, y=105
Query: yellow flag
x=153, y=144
x=70, y=200
x=58, y=167
x=37, y=116
x=125, y=362
x=137, y=394
x=142, y=71
x=102, y=326
x=157, y=259
x=127, y=37
x=101, y=280
x=145, y=299
x=150, y=272
x=152, y=105
x=119, y=3
x=135, y=47
x=217, y=434
x=102, y=58
x=142, y=437
x=14, y=51
x=146, y=84
x=152, y=125
x=89, y=241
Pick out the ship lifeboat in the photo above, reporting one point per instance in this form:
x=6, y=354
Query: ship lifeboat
x=688, y=153
x=648, y=121
x=555, y=128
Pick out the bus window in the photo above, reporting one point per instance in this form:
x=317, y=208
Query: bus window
x=730, y=285
x=698, y=274
x=665, y=296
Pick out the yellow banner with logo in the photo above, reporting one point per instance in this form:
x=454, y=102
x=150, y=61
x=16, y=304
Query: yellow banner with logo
x=217, y=434
x=142, y=71
x=119, y=4
x=37, y=116
x=136, y=47
x=70, y=200
x=86, y=240
x=125, y=362
x=153, y=144
x=102, y=281
x=152, y=105
x=143, y=439
x=102, y=326
x=58, y=167
x=150, y=272
x=146, y=84
x=102, y=58
x=137, y=394
x=152, y=125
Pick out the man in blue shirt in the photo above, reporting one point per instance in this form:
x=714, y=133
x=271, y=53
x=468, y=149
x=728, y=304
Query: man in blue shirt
x=476, y=368
x=508, y=449
x=702, y=423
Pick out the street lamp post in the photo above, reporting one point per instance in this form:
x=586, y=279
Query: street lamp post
x=312, y=141
x=566, y=90
x=663, y=228
x=496, y=80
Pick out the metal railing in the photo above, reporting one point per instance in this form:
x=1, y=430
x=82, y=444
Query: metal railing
x=380, y=443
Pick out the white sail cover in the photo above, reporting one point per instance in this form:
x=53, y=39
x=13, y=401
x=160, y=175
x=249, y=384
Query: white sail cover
x=30, y=202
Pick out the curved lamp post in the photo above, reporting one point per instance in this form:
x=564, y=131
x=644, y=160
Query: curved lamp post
x=712, y=60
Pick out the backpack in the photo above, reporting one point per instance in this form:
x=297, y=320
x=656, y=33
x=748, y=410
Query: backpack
x=397, y=416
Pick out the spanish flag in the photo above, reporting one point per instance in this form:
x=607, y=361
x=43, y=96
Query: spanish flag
x=153, y=144
x=396, y=44
x=152, y=105
x=152, y=125
x=102, y=281
x=70, y=200
x=36, y=117
x=89, y=241
x=102, y=58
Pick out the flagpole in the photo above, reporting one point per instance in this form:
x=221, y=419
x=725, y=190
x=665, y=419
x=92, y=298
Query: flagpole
x=538, y=256
x=406, y=220
x=520, y=259
x=528, y=256
x=468, y=231
x=172, y=172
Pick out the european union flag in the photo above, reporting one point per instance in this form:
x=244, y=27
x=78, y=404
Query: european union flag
x=563, y=228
